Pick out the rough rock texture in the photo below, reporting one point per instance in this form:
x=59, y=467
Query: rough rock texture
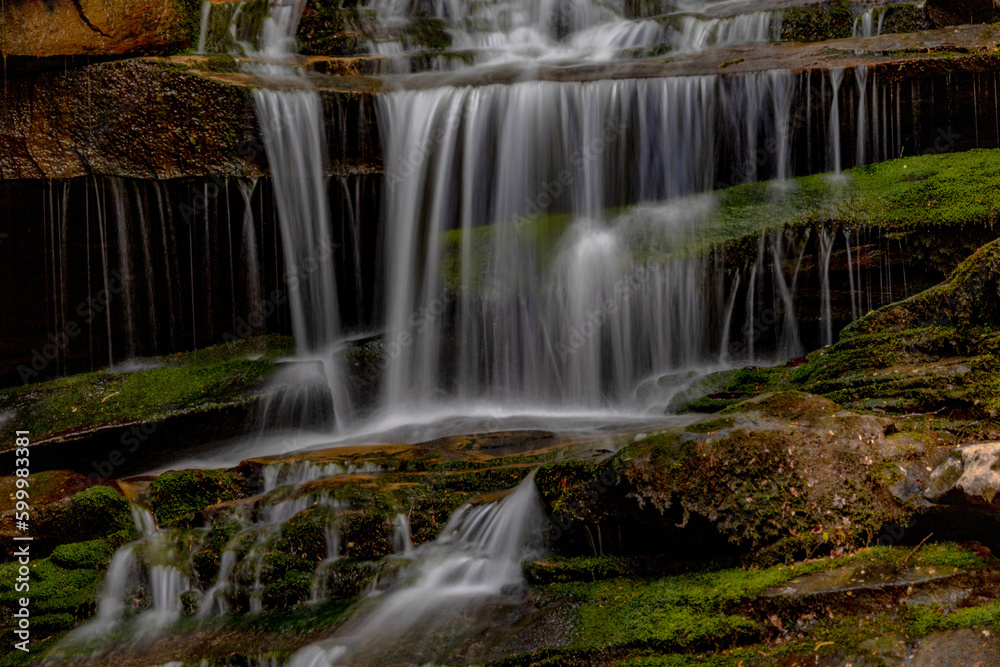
x=787, y=474
x=155, y=118
x=959, y=12
x=138, y=118
x=973, y=471
x=932, y=352
x=44, y=28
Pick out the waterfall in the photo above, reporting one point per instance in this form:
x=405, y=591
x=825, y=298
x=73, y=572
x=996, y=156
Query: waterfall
x=295, y=140
x=698, y=34
x=517, y=30
x=866, y=26
x=294, y=136
x=206, y=12
x=507, y=280
x=255, y=289
x=855, y=302
x=528, y=30
x=166, y=583
x=861, y=117
x=401, y=542
x=120, y=578
x=477, y=557
x=834, y=149
x=826, y=320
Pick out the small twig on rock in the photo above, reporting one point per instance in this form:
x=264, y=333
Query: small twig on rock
x=921, y=414
x=915, y=548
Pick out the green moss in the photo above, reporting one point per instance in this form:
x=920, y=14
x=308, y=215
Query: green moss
x=93, y=555
x=95, y=512
x=675, y=614
x=892, y=358
x=303, y=535
x=290, y=590
x=199, y=380
x=711, y=426
x=54, y=589
x=926, y=199
x=176, y=496
x=573, y=489
x=812, y=24
x=665, y=620
x=367, y=536
x=927, y=618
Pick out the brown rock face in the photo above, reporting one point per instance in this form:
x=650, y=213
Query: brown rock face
x=959, y=12
x=43, y=28
x=141, y=118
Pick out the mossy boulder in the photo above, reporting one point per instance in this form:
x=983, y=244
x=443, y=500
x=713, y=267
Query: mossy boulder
x=54, y=516
x=175, y=497
x=92, y=554
x=290, y=590
x=781, y=476
x=859, y=607
x=934, y=351
x=367, y=536
x=813, y=24
x=99, y=511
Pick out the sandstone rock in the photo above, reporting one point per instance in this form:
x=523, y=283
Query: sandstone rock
x=44, y=28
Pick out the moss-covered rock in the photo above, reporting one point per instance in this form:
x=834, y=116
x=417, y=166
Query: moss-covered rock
x=933, y=351
x=290, y=590
x=176, y=496
x=93, y=554
x=97, y=512
x=202, y=380
x=754, y=616
x=781, y=476
x=813, y=24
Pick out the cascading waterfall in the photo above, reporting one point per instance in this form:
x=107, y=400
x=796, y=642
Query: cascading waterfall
x=861, y=117
x=528, y=30
x=401, y=542
x=576, y=320
x=519, y=30
x=120, y=578
x=698, y=34
x=826, y=239
x=295, y=142
x=477, y=557
x=834, y=148
x=866, y=25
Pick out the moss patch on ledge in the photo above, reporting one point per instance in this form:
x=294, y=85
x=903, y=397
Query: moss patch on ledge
x=733, y=617
x=149, y=389
x=176, y=496
x=917, y=198
x=937, y=350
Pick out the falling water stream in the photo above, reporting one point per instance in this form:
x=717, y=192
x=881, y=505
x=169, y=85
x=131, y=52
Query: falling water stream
x=544, y=255
x=476, y=558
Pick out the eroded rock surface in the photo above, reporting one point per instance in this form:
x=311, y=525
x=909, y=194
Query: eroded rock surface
x=45, y=28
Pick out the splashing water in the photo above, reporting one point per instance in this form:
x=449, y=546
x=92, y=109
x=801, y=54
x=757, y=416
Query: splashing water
x=477, y=557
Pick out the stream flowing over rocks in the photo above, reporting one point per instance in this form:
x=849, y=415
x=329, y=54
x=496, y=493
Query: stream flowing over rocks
x=529, y=332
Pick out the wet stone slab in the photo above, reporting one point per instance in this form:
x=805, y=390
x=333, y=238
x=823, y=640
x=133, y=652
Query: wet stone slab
x=860, y=577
